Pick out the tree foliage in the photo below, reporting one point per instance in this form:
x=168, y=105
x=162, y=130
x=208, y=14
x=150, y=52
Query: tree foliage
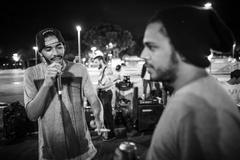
x=103, y=34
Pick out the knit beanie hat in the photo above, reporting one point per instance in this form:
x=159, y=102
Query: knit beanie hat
x=40, y=37
x=193, y=31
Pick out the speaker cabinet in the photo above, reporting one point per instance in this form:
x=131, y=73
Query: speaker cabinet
x=148, y=116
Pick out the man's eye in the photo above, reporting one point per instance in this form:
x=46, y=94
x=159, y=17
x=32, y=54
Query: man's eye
x=150, y=47
x=48, y=49
x=59, y=47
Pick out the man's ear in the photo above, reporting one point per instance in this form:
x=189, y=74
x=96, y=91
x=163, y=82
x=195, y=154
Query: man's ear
x=40, y=54
x=42, y=57
x=65, y=48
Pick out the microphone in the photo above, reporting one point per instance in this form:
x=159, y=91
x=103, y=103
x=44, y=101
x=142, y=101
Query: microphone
x=59, y=80
x=59, y=84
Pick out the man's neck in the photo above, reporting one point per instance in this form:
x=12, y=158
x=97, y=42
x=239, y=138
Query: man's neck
x=188, y=73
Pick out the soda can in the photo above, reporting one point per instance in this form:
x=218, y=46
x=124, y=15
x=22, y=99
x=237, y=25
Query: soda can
x=126, y=151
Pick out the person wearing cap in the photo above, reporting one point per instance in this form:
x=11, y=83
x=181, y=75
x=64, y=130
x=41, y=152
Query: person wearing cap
x=200, y=120
x=54, y=92
x=105, y=90
x=233, y=86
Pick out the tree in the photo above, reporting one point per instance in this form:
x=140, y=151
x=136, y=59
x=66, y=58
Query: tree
x=72, y=48
x=138, y=47
x=103, y=34
x=27, y=54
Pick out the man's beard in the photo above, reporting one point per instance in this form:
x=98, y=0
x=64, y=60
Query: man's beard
x=49, y=61
x=56, y=58
x=168, y=74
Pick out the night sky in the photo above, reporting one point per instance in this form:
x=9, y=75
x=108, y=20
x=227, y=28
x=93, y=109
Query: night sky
x=19, y=21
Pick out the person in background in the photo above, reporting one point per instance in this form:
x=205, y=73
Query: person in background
x=233, y=86
x=146, y=81
x=119, y=74
x=200, y=120
x=118, y=77
x=54, y=91
x=105, y=90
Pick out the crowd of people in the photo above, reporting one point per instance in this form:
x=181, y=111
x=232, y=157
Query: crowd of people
x=200, y=120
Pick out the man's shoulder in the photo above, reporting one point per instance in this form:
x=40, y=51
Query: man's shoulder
x=227, y=85
x=77, y=69
x=33, y=69
x=77, y=66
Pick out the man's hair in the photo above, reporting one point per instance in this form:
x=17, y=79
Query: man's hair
x=41, y=35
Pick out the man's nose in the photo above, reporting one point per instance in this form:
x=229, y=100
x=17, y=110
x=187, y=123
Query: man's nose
x=54, y=51
x=144, y=54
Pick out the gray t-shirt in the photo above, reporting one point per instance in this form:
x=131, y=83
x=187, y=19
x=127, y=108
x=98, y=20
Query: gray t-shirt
x=200, y=122
x=63, y=132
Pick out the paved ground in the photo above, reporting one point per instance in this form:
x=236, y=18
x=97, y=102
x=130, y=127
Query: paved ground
x=27, y=147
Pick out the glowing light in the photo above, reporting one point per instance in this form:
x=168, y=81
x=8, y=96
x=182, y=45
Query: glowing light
x=16, y=83
x=208, y=5
x=16, y=57
x=35, y=48
x=78, y=28
x=93, y=48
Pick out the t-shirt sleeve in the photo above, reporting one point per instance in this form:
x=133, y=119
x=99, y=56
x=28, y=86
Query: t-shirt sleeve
x=29, y=87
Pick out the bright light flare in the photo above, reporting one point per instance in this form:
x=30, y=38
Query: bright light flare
x=16, y=57
x=208, y=5
x=78, y=28
x=93, y=48
x=35, y=48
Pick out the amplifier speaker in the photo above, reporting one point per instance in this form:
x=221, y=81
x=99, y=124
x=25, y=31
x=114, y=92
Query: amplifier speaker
x=148, y=116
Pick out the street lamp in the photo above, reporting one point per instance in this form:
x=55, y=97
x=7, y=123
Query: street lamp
x=208, y=5
x=79, y=43
x=35, y=48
